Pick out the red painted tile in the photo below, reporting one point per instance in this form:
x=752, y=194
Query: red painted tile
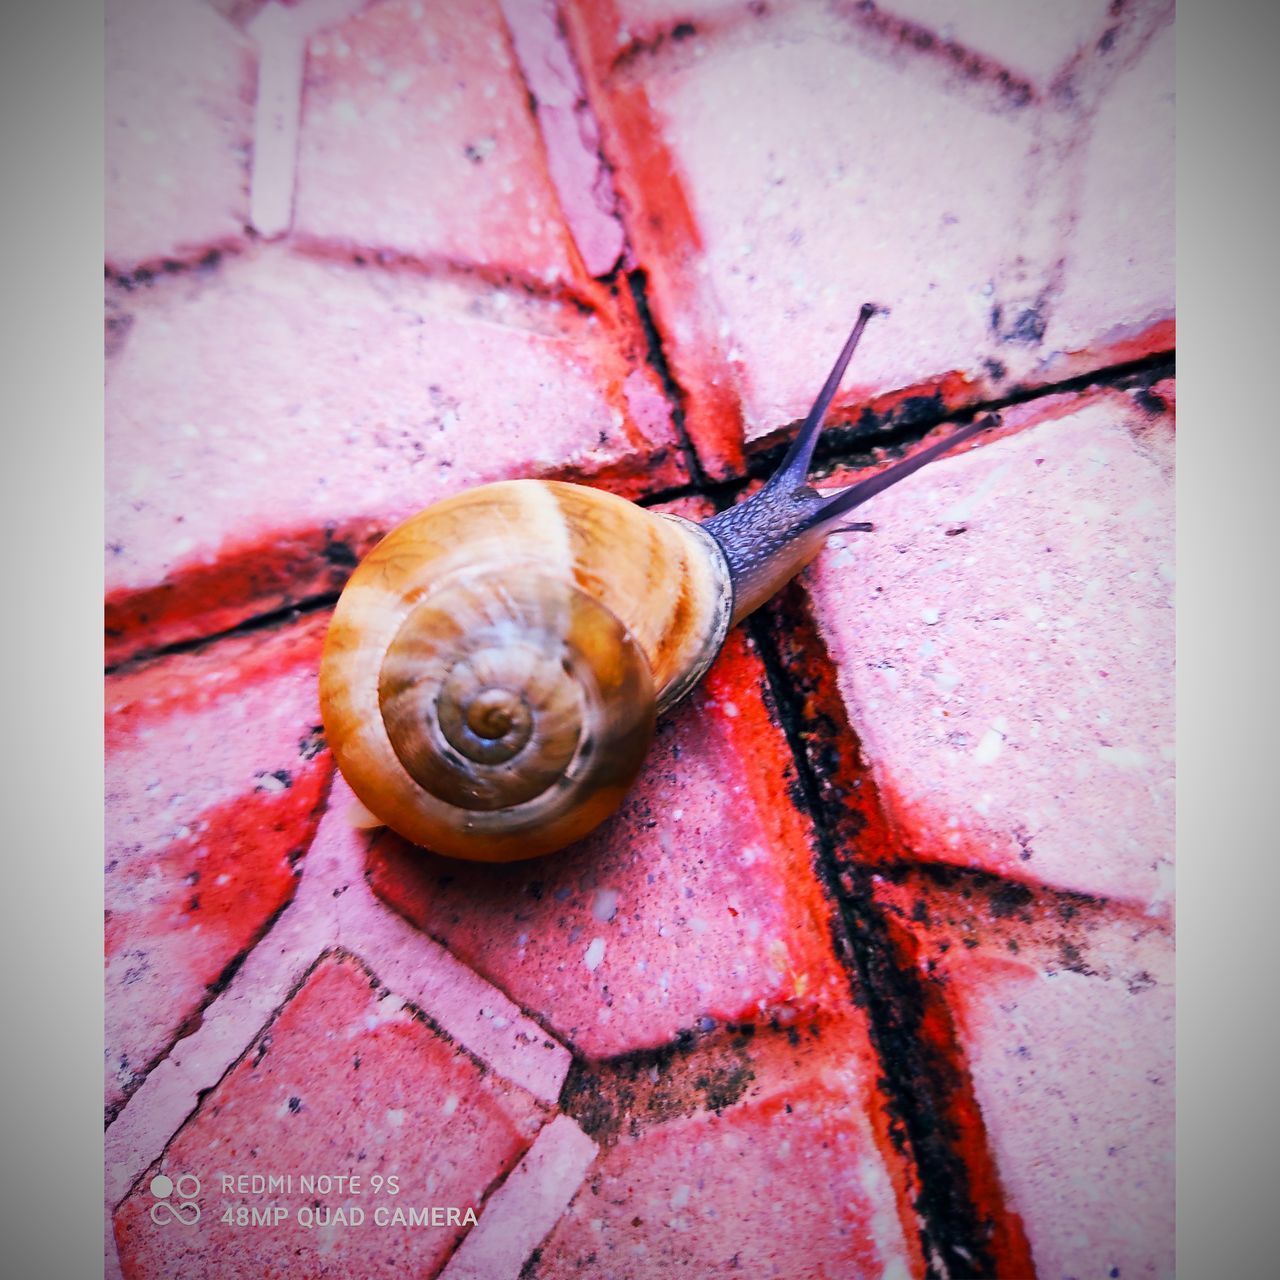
x=697, y=900
x=1118, y=294
x=1003, y=644
x=346, y=1081
x=179, y=122
x=215, y=772
x=270, y=419
x=766, y=168
x=786, y=1183
x=417, y=138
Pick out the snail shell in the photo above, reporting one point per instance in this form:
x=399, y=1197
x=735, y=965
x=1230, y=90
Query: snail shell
x=495, y=666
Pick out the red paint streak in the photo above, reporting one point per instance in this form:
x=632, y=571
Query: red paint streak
x=1119, y=347
x=665, y=236
x=250, y=577
x=228, y=878
x=1161, y=336
x=196, y=682
x=1010, y=1249
x=765, y=767
x=863, y=832
x=181, y=908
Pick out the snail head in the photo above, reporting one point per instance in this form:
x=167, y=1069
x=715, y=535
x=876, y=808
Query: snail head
x=770, y=537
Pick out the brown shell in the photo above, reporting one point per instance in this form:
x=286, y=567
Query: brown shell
x=494, y=667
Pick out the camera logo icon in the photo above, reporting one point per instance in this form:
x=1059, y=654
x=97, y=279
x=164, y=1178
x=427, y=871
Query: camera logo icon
x=175, y=1199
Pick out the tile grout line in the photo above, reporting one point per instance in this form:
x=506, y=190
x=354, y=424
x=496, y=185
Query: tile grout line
x=550, y=71
x=950, y=1234
x=637, y=282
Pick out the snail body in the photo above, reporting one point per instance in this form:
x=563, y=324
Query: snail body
x=495, y=666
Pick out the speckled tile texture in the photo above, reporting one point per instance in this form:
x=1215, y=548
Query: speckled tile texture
x=871, y=974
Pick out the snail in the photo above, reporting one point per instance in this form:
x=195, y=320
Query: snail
x=495, y=666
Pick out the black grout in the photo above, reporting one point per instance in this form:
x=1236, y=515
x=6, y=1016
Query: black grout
x=258, y=622
x=637, y=282
x=842, y=443
x=954, y=1240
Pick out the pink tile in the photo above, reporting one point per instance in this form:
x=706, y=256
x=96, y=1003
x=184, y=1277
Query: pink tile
x=1119, y=279
x=697, y=900
x=179, y=122
x=349, y=1081
x=781, y=173
x=797, y=231
x=1004, y=649
x=269, y=419
x=569, y=132
x=1075, y=1078
x=524, y=1209
x=417, y=138
x=216, y=767
x=785, y=1184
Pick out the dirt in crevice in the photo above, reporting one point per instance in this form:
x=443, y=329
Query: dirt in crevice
x=965, y=1228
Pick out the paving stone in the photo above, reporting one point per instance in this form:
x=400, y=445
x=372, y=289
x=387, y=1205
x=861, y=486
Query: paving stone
x=1063, y=1012
x=1119, y=280
x=347, y=1081
x=179, y=123
x=696, y=901
x=1075, y=1079
x=767, y=168
x=332, y=907
x=569, y=131
x=268, y=420
x=786, y=1183
x=215, y=770
x=522, y=1211
x=417, y=138
x=1003, y=644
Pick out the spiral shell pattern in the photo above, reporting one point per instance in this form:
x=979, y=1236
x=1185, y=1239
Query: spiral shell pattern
x=494, y=667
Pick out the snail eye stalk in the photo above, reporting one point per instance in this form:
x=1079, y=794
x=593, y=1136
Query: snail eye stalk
x=795, y=464
x=770, y=537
